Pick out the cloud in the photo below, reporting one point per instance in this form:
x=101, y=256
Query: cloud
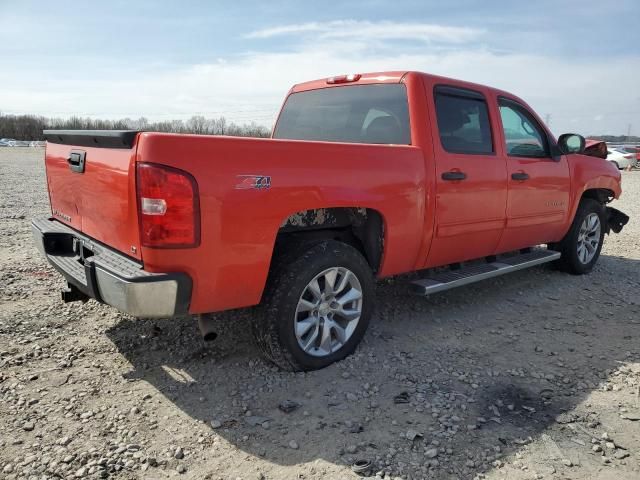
x=252, y=86
x=378, y=31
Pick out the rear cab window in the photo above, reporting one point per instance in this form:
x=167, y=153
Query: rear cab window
x=377, y=113
x=463, y=121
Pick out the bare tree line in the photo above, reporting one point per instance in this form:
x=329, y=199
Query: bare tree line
x=616, y=138
x=30, y=127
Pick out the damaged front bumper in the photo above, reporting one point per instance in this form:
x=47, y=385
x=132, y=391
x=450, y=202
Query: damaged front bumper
x=615, y=219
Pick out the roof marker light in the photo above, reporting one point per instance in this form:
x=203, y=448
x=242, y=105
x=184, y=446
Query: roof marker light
x=352, y=77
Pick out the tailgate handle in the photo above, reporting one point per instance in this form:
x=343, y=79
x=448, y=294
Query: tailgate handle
x=76, y=160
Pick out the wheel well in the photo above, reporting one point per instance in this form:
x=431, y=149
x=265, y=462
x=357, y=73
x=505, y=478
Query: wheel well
x=362, y=228
x=602, y=195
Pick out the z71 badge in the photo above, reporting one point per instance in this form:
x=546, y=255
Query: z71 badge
x=259, y=182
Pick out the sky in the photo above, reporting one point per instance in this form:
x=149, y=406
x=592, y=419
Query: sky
x=576, y=63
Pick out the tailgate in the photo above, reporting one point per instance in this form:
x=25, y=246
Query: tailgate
x=91, y=181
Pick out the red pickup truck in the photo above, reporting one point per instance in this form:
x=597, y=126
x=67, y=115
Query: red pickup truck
x=365, y=176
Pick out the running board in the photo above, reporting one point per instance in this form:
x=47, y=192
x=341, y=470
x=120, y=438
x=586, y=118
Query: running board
x=475, y=273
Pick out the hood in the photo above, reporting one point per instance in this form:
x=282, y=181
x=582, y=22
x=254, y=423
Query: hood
x=595, y=148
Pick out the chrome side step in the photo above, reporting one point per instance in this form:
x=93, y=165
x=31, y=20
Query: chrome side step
x=474, y=273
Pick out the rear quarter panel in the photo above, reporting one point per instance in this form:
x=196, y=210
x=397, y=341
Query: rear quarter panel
x=239, y=226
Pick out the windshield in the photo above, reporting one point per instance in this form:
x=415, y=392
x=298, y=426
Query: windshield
x=353, y=114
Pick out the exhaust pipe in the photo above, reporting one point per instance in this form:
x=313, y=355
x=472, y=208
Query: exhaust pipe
x=206, y=328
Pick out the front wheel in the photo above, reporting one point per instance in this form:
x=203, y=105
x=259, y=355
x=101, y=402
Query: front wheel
x=317, y=307
x=581, y=246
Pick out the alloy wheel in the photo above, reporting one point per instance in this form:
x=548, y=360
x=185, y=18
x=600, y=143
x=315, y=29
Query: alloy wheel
x=328, y=311
x=588, y=238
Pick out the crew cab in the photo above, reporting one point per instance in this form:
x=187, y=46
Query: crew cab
x=365, y=176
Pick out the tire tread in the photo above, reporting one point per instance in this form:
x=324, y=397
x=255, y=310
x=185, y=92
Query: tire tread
x=280, y=290
x=569, y=261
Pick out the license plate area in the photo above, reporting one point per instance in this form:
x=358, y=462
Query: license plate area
x=59, y=244
x=68, y=253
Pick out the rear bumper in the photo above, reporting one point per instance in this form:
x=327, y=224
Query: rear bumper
x=109, y=276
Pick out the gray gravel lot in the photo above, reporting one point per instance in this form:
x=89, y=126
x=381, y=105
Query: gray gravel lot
x=532, y=375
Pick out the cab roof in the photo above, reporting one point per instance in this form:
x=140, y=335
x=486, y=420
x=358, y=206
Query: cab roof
x=364, y=79
x=396, y=76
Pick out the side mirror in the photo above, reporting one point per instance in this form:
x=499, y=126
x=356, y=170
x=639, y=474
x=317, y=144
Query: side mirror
x=571, y=143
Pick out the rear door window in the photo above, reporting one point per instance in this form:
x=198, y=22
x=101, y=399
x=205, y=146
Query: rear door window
x=463, y=121
x=353, y=114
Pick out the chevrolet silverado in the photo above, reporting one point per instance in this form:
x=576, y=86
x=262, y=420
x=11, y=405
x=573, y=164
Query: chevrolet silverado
x=365, y=176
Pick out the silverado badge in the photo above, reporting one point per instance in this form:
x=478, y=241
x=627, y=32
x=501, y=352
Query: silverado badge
x=63, y=216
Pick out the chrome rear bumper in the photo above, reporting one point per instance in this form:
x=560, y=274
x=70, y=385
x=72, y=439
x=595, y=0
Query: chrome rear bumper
x=110, y=277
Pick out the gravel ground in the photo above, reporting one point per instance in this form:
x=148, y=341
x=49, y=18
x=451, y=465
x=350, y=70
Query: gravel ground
x=532, y=375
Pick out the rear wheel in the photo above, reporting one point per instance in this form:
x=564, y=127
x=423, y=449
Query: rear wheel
x=581, y=246
x=317, y=307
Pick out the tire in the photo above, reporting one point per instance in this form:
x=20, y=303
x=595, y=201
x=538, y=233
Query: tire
x=289, y=290
x=572, y=260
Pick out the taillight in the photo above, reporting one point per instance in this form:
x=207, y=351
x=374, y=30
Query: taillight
x=168, y=207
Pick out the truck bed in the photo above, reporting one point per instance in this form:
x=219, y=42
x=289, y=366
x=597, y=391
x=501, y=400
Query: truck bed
x=239, y=222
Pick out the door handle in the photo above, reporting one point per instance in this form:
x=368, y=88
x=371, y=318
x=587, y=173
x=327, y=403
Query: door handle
x=520, y=176
x=454, y=175
x=76, y=161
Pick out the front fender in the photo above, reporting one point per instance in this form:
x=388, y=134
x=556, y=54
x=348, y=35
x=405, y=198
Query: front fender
x=590, y=173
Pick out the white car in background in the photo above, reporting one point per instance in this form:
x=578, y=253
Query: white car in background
x=621, y=158
x=7, y=142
